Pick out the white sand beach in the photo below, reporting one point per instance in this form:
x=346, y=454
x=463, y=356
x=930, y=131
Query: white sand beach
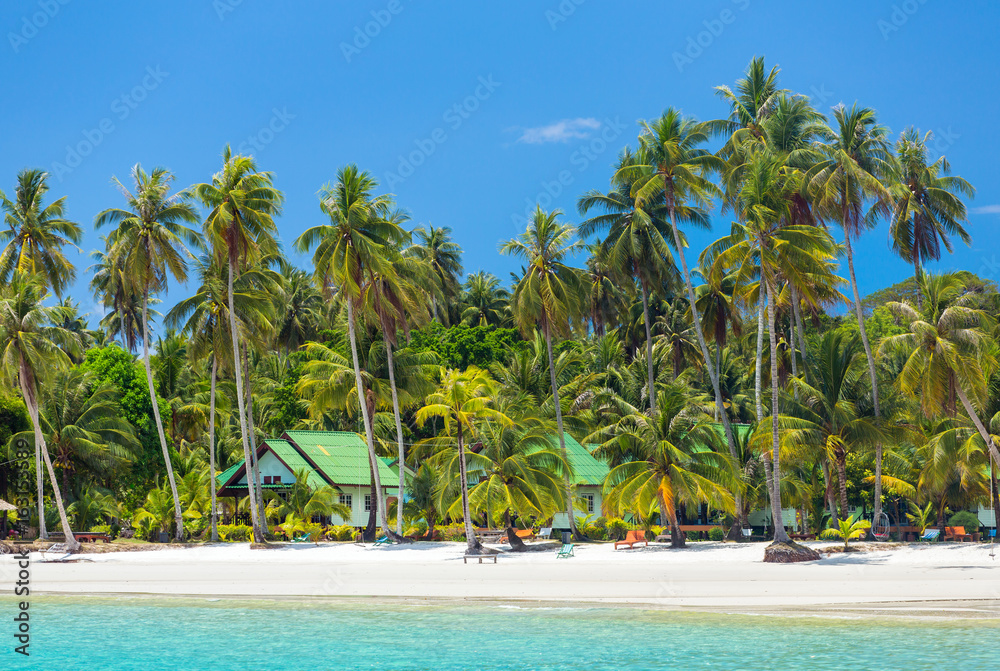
x=946, y=579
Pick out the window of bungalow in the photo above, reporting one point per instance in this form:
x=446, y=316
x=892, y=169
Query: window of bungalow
x=347, y=500
x=589, y=498
x=368, y=503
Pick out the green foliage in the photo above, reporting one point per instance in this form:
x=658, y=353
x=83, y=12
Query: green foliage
x=235, y=533
x=847, y=530
x=716, y=534
x=13, y=420
x=462, y=346
x=964, y=518
x=922, y=517
x=617, y=528
x=452, y=532
x=342, y=532
x=880, y=324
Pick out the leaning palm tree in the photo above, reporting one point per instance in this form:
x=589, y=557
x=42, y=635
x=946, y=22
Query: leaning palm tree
x=548, y=295
x=946, y=352
x=150, y=242
x=32, y=350
x=36, y=234
x=350, y=251
x=435, y=247
x=462, y=400
x=240, y=228
x=926, y=203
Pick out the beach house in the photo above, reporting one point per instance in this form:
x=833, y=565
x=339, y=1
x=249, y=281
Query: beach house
x=588, y=479
x=335, y=458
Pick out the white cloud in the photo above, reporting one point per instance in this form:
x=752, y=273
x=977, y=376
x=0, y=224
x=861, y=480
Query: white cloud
x=986, y=209
x=560, y=131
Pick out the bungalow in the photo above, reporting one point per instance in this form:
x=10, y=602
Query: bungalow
x=588, y=480
x=335, y=458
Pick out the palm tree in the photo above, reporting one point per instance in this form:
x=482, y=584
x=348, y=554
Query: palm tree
x=636, y=242
x=306, y=499
x=519, y=470
x=462, y=399
x=548, y=295
x=150, y=239
x=349, y=251
x=32, y=349
x=299, y=306
x=677, y=171
x=753, y=100
x=487, y=301
x=435, y=247
x=110, y=285
x=854, y=162
x=36, y=233
x=240, y=228
x=671, y=462
x=848, y=529
x=606, y=299
x=926, y=207
x=946, y=352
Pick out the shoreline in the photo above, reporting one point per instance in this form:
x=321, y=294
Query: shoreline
x=951, y=582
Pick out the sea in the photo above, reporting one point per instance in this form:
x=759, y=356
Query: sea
x=142, y=633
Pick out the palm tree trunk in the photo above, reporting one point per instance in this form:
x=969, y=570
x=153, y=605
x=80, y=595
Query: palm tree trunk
x=871, y=368
x=253, y=442
x=780, y=536
x=649, y=348
x=990, y=445
x=31, y=402
x=258, y=535
x=794, y=357
x=401, y=449
x=828, y=494
x=799, y=331
x=758, y=374
x=568, y=485
x=516, y=544
x=676, y=535
x=842, y=485
x=697, y=325
x=211, y=448
x=473, y=546
x=373, y=458
x=178, y=518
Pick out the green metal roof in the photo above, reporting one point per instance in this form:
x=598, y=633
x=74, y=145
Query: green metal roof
x=288, y=454
x=342, y=456
x=587, y=469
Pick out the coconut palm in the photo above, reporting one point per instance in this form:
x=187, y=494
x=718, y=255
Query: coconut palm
x=926, y=204
x=946, y=352
x=350, y=251
x=637, y=239
x=672, y=462
x=240, y=229
x=754, y=98
x=548, y=295
x=32, y=351
x=307, y=498
x=849, y=529
x=36, y=234
x=462, y=400
x=487, y=302
x=519, y=471
x=299, y=306
x=606, y=298
x=435, y=247
x=150, y=241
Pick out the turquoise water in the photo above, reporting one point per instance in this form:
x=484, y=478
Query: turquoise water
x=119, y=634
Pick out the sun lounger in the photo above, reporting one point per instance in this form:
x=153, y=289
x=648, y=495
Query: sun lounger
x=565, y=551
x=633, y=537
x=956, y=534
x=302, y=539
x=931, y=535
x=384, y=540
x=545, y=532
x=525, y=534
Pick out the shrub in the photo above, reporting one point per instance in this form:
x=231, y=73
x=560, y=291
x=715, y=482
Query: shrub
x=342, y=532
x=111, y=530
x=418, y=529
x=235, y=533
x=617, y=528
x=965, y=519
x=716, y=534
x=452, y=532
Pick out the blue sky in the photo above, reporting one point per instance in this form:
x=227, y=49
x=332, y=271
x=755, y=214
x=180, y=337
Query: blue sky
x=468, y=112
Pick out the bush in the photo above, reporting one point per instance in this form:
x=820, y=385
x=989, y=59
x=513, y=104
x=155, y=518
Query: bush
x=111, y=530
x=235, y=533
x=417, y=529
x=617, y=528
x=452, y=532
x=716, y=534
x=965, y=519
x=342, y=532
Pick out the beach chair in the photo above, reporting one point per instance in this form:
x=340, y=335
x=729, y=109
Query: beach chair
x=525, y=534
x=565, y=551
x=545, y=532
x=384, y=540
x=930, y=535
x=956, y=534
x=304, y=538
x=747, y=533
x=633, y=537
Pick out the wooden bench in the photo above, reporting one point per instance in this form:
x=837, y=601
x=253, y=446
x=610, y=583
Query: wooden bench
x=633, y=537
x=701, y=529
x=956, y=534
x=87, y=537
x=466, y=558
